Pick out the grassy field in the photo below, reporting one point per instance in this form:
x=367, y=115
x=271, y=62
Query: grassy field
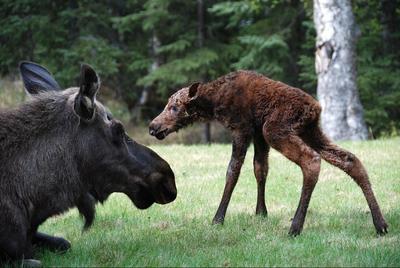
x=338, y=229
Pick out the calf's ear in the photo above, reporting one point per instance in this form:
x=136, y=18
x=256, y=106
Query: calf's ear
x=88, y=87
x=36, y=78
x=194, y=101
x=193, y=90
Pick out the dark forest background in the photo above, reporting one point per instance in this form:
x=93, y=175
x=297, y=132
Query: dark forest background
x=145, y=50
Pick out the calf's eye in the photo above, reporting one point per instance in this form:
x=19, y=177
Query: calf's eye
x=174, y=109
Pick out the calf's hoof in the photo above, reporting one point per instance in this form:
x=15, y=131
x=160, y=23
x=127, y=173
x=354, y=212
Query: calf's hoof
x=262, y=212
x=294, y=230
x=218, y=220
x=381, y=227
x=31, y=263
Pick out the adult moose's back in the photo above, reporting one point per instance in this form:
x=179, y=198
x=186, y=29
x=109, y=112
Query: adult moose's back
x=273, y=114
x=63, y=149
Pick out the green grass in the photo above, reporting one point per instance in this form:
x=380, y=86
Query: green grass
x=338, y=229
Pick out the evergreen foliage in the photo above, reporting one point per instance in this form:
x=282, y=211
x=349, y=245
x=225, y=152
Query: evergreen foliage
x=153, y=45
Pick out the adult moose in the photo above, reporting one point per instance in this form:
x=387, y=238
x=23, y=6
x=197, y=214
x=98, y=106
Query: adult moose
x=272, y=114
x=63, y=149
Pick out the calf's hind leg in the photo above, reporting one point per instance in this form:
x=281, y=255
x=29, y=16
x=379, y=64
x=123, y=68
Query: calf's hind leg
x=294, y=148
x=260, y=164
x=350, y=164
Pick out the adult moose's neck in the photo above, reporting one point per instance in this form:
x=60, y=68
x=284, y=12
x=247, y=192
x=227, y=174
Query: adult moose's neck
x=36, y=118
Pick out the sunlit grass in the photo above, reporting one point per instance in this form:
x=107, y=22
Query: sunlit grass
x=338, y=229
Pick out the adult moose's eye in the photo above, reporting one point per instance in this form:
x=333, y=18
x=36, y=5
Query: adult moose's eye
x=118, y=132
x=128, y=139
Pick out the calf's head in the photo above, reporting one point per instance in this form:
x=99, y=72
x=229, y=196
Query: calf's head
x=183, y=108
x=106, y=159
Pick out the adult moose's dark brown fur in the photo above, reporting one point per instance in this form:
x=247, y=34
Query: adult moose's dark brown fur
x=63, y=149
x=273, y=114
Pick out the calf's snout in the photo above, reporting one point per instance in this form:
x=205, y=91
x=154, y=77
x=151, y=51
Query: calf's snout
x=159, y=129
x=154, y=127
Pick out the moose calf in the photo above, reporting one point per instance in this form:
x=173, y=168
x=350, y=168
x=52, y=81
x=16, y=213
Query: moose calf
x=270, y=113
x=64, y=149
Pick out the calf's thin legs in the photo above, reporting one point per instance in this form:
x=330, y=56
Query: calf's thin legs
x=240, y=143
x=260, y=164
x=296, y=150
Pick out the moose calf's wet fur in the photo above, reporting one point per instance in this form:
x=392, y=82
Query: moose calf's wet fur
x=272, y=114
x=63, y=149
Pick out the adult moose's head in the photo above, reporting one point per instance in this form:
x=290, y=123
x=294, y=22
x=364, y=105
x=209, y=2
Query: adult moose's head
x=107, y=159
x=61, y=149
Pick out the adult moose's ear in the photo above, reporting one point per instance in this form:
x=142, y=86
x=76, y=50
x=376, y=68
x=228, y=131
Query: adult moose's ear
x=36, y=78
x=88, y=86
x=193, y=90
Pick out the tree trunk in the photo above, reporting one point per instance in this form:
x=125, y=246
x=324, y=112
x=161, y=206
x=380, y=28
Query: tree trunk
x=342, y=112
x=155, y=44
x=200, y=43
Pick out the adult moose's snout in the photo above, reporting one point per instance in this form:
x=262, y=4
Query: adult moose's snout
x=152, y=180
x=164, y=188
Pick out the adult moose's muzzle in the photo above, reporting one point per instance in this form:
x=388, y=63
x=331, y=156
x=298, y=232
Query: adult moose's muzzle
x=163, y=187
x=156, y=182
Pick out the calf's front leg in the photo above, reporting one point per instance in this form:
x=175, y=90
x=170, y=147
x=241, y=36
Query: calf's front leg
x=260, y=164
x=240, y=142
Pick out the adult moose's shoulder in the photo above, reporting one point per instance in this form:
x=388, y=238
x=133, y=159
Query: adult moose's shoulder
x=63, y=149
